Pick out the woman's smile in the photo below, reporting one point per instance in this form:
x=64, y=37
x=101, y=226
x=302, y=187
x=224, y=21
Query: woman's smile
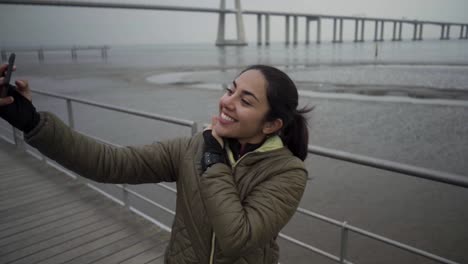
x=224, y=119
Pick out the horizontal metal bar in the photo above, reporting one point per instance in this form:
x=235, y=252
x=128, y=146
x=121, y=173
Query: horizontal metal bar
x=318, y=216
x=410, y=170
x=147, y=199
x=167, y=187
x=172, y=120
x=151, y=219
x=311, y=248
x=7, y=139
x=400, y=245
x=375, y=236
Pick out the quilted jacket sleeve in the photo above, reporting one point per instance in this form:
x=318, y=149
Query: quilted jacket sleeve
x=103, y=163
x=241, y=226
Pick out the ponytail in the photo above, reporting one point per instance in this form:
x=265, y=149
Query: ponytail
x=296, y=135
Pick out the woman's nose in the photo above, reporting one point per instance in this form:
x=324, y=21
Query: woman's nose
x=227, y=102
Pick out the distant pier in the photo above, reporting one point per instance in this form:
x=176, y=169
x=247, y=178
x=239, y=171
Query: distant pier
x=41, y=50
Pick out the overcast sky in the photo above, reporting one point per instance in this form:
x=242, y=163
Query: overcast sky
x=33, y=25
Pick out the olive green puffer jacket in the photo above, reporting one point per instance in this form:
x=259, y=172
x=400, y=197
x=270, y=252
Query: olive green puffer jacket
x=228, y=214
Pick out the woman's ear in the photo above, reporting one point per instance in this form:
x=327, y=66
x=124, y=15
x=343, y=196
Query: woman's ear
x=271, y=127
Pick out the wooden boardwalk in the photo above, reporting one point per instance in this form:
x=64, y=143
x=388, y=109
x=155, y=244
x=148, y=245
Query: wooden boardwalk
x=47, y=217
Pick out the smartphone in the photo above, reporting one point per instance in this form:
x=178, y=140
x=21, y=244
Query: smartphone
x=9, y=70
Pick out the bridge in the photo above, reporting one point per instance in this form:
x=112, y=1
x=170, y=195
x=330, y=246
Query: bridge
x=337, y=34
x=50, y=218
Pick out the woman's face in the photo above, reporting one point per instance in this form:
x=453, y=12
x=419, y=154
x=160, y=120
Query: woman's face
x=242, y=109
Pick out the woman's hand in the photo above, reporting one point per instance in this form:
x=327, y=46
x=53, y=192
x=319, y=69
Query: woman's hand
x=214, y=121
x=22, y=86
x=213, y=151
x=16, y=108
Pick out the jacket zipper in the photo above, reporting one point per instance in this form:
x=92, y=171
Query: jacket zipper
x=213, y=237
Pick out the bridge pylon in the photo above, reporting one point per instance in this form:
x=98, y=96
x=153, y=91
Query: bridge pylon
x=221, y=39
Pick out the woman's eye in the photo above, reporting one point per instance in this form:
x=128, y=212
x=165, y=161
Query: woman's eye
x=246, y=102
x=229, y=90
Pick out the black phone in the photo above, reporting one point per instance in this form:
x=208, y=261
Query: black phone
x=9, y=70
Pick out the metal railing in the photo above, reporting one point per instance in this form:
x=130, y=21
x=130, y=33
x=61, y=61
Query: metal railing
x=432, y=175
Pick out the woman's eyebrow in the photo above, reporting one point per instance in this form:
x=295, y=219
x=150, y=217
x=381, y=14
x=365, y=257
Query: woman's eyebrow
x=245, y=91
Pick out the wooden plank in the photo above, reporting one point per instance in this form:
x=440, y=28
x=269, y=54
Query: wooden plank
x=42, y=221
x=16, y=176
x=88, y=247
x=42, y=214
x=32, y=208
x=17, y=191
x=148, y=255
x=115, y=247
x=34, y=185
x=131, y=251
x=91, y=213
x=61, y=228
x=32, y=200
x=132, y=226
x=56, y=245
x=157, y=261
x=49, y=218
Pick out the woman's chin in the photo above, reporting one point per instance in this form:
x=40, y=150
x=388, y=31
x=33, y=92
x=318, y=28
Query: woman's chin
x=222, y=132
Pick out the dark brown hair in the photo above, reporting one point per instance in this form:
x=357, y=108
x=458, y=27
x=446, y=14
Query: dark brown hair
x=283, y=101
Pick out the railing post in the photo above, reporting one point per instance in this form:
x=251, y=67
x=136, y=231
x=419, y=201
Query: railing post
x=15, y=139
x=334, y=30
x=19, y=142
x=125, y=198
x=341, y=31
x=71, y=120
x=356, y=29
x=74, y=54
x=267, y=29
x=40, y=54
x=194, y=128
x=344, y=242
x=259, y=29
x=4, y=55
x=362, y=30
x=319, y=28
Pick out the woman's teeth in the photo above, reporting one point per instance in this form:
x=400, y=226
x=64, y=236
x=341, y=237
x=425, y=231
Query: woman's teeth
x=227, y=118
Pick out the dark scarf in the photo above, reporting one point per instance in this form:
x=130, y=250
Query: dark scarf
x=238, y=150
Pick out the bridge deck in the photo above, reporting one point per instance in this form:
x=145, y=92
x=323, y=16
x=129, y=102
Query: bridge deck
x=47, y=217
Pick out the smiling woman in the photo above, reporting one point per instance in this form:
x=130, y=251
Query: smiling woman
x=261, y=102
x=239, y=182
